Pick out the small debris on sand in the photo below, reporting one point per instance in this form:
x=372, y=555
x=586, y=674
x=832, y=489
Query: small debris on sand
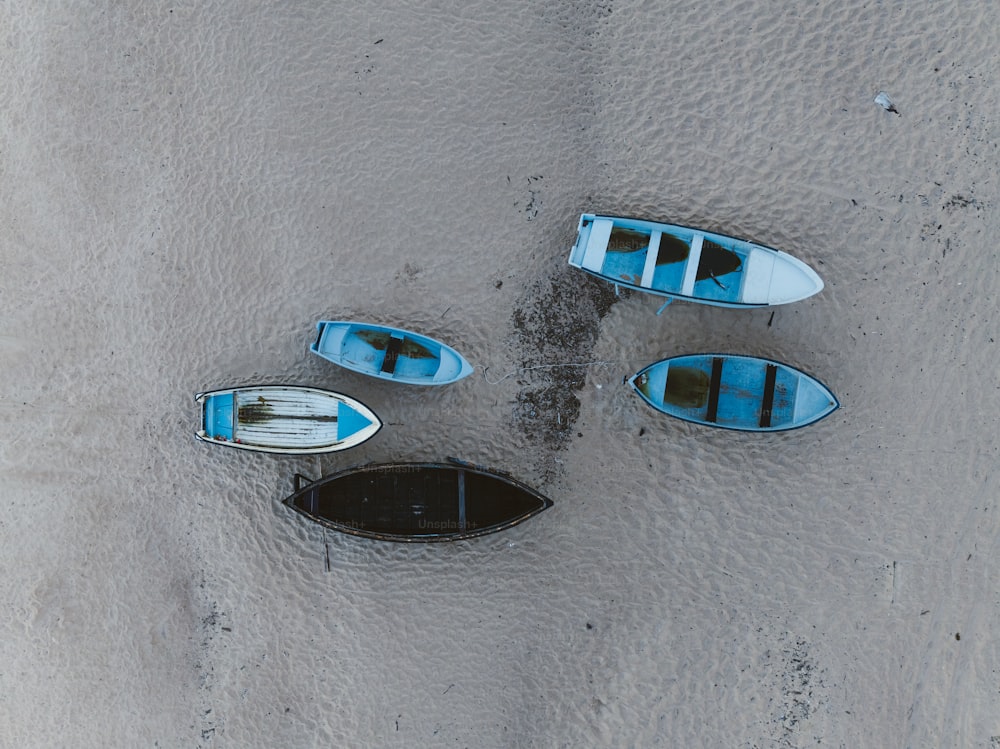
x=883, y=100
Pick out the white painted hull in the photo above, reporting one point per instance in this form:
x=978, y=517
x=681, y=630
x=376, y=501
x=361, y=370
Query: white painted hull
x=284, y=419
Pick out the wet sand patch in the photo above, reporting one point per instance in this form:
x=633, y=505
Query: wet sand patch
x=555, y=327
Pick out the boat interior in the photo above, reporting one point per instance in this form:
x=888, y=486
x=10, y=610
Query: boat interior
x=414, y=501
x=737, y=392
x=392, y=355
x=685, y=263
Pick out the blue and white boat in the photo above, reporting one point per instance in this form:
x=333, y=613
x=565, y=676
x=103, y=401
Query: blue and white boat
x=284, y=419
x=389, y=353
x=691, y=264
x=734, y=392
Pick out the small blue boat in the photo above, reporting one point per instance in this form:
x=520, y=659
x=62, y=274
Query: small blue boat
x=389, y=353
x=734, y=392
x=691, y=264
x=284, y=419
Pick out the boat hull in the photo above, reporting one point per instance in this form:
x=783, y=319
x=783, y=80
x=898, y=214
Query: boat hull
x=284, y=419
x=734, y=392
x=679, y=262
x=417, y=502
x=389, y=353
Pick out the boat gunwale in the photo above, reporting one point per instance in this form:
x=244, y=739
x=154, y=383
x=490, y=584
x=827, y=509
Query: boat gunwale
x=654, y=225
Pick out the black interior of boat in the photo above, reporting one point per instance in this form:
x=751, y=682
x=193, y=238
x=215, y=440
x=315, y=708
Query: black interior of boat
x=686, y=387
x=716, y=261
x=418, y=501
x=627, y=240
x=672, y=250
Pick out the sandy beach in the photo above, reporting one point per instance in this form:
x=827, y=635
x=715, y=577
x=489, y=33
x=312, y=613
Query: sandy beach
x=185, y=189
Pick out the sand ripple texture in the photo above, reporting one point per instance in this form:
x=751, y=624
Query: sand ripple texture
x=186, y=189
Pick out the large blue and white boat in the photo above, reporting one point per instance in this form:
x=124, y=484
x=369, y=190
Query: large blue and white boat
x=690, y=264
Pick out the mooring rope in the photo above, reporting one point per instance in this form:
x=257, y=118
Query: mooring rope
x=519, y=370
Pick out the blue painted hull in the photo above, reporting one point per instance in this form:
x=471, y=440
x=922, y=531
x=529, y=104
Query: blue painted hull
x=679, y=262
x=389, y=353
x=734, y=392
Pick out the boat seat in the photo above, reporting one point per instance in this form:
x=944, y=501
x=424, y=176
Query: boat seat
x=691, y=269
x=652, y=254
x=597, y=244
x=392, y=350
x=714, y=387
x=767, y=403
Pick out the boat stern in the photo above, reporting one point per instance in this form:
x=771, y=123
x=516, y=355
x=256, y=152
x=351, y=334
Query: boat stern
x=591, y=247
x=579, y=248
x=329, y=338
x=217, y=413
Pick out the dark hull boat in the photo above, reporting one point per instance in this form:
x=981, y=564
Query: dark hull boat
x=416, y=501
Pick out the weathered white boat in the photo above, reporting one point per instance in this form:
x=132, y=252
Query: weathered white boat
x=690, y=264
x=284, y=419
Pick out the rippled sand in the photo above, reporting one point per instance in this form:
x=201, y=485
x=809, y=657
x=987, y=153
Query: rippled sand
x=185, y=189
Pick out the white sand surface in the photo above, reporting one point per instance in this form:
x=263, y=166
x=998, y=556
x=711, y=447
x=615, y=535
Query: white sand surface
x=185, y=188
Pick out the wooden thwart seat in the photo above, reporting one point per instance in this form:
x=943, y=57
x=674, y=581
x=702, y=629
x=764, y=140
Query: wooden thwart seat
x=649, y=268
x=715, y=385
x=392, y=350
x=768, y=402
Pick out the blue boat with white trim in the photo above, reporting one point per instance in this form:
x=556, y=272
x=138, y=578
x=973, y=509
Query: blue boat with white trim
x=389, y=353
x=734, y=392
x=690, y=264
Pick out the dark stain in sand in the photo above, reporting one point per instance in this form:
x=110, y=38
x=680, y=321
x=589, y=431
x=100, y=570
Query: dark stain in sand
x=556, y=323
